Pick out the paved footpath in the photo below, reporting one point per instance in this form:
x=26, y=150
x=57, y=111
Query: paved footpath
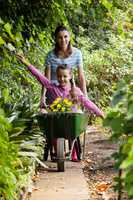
x=68, y=185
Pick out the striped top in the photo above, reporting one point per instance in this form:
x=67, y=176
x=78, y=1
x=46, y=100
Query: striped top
x=58, y=91
x=74, y=60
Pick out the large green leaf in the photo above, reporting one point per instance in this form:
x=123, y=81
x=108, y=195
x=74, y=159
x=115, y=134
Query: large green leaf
x=8, y=28
x=1, y=41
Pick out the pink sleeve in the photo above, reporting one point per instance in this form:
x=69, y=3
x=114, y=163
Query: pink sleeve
x=89, y=105
x=39, y=76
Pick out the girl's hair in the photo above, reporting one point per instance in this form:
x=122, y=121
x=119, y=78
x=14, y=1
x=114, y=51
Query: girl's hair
x=64, y=67
x=57, y=48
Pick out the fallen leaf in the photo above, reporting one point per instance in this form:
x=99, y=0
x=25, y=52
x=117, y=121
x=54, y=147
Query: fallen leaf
x=37, y=189
x=89, y=161
x=35, y=177
x=102, y=187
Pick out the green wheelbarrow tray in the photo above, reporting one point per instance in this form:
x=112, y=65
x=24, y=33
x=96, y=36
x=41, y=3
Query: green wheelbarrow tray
x=62, y=125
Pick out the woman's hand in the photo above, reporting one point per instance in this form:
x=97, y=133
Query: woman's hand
x=74, y=95
x=23, y=59
x=103, y=115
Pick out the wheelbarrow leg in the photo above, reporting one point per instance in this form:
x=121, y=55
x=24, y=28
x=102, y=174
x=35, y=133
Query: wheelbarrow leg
x=78, y=148
x=83, y=155
x=60, y=154
x=48, y=146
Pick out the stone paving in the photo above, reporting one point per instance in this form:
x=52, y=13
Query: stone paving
x=68, y=185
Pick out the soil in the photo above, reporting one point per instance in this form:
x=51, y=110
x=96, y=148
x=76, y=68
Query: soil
x=98, y=166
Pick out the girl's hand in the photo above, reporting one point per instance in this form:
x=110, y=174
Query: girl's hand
x=23, y=59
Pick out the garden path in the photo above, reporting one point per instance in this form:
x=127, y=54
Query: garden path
x=68, y=185
x=98, y=169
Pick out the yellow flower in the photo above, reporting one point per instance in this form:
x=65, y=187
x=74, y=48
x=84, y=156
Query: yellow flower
x=55, y=110
x=65, y=100
x=62, y=109
x=69, y=103
x=56, y=100
x=52, y=106
x=55, y=103
x=59, y=106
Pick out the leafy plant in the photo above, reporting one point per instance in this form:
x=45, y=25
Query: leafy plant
x=21, y=144
x=8, y=156
x=104, y=35
x=120, y=119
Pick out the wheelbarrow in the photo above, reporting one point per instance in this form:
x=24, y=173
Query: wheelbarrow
x=63, y=126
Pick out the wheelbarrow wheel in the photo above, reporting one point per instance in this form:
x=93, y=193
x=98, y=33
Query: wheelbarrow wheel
x=60, y=155
x=60, y=166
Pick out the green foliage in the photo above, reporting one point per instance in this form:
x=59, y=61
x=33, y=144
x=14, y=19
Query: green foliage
x=106, y=65
x=19, y=135
x=8, y=155
x=103, y=31
x=120, y=119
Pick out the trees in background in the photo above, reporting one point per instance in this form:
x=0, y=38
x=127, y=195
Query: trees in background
x=103, y=31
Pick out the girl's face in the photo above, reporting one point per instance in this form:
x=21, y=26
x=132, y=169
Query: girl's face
x=63, y=39
x=63, y=77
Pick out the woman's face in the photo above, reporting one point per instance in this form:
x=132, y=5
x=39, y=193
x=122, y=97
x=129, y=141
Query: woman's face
x=63, y=39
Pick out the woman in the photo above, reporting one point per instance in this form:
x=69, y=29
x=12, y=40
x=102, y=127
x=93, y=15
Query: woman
x=63, y=53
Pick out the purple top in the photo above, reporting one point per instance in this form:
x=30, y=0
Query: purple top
x=58, y=91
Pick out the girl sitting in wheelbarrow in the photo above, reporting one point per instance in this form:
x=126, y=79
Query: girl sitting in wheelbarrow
x=65, y=89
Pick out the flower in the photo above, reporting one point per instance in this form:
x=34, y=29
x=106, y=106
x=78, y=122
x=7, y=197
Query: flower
x=61, y=105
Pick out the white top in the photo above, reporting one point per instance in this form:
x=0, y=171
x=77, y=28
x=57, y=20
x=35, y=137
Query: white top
x=73, y=61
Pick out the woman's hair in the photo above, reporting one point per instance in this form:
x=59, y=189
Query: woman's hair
x=57, y=48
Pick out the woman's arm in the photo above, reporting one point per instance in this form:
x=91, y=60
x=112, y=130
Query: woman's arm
x=48, y=72
x=82, y=81
x=80, y=70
